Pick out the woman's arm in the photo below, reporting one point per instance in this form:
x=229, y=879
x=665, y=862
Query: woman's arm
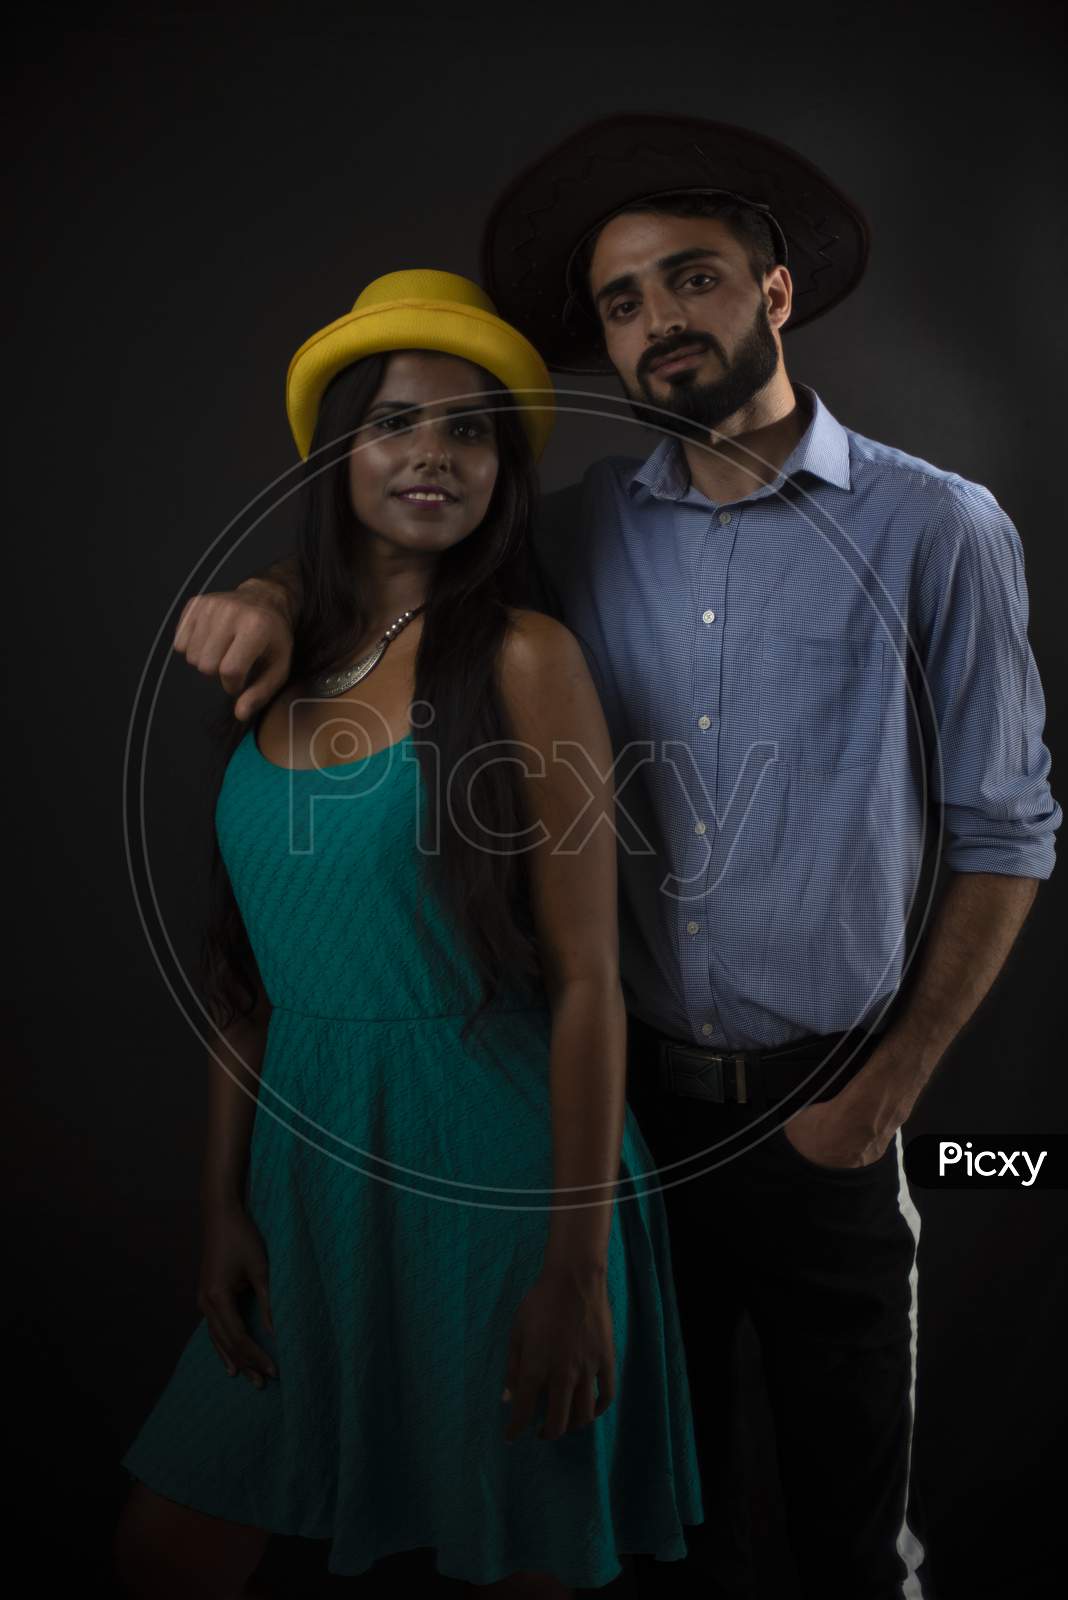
x=233, y=1087
x=555, y=711
x=244, y=635
x=561, y=1343
x=234, y=1257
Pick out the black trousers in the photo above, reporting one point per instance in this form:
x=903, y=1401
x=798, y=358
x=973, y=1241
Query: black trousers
x=823, y=1263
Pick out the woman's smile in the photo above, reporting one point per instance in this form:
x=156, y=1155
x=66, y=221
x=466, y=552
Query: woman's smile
x=427, y=497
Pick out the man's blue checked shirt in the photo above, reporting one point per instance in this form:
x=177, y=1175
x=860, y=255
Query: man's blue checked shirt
x=806, y=689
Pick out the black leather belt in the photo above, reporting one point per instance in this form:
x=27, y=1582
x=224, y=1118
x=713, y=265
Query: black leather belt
x=755, y=1078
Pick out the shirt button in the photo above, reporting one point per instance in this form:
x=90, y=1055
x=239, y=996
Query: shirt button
x=706, y=1028
x=692, y=927
x=708, y=616
x=704, y=722
x=724, y=518
x=699, y=827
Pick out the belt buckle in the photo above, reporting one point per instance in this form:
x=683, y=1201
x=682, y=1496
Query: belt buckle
x=711, y=1065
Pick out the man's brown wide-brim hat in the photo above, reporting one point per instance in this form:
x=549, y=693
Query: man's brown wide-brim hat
x=538, y=223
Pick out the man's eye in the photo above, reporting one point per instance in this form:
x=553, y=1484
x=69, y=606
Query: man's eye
x=707, y=276
x=621, y=307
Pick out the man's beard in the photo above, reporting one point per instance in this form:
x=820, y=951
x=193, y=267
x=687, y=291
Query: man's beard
x=691, y=409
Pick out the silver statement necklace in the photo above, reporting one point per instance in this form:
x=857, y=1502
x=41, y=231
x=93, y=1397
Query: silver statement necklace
x=331, y=683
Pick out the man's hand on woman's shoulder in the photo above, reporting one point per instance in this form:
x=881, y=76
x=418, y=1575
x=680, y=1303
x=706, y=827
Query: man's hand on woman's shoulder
x=243, y=635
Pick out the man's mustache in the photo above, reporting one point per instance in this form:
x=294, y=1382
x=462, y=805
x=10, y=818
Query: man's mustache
x=682, y=341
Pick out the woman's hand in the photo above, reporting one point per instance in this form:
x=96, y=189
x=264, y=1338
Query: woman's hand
x=241, y=634
x=235, y=1259
x=561, y=1342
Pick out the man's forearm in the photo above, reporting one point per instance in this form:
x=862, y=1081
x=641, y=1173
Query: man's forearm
x=975, y=926
x=280, y=583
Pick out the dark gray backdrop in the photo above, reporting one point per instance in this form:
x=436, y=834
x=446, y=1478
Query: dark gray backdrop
x=196, y=189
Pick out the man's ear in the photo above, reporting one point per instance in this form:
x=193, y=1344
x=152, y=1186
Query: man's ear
x=778, y=296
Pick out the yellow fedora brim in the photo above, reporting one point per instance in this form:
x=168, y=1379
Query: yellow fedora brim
x=410, y=324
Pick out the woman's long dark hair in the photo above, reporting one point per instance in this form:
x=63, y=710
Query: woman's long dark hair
x=485, y=892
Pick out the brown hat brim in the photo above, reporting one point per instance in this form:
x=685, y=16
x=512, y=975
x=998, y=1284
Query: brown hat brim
x=537, y=222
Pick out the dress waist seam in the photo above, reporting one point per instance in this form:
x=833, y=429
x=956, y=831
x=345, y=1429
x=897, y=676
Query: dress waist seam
x=422, y=1016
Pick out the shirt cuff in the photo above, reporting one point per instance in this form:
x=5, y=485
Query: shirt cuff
x=977, y=843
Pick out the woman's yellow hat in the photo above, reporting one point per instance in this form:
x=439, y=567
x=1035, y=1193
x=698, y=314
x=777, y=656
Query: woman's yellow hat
x=421, y=310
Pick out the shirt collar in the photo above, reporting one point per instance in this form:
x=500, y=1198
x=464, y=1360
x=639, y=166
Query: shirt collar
x=822, y=450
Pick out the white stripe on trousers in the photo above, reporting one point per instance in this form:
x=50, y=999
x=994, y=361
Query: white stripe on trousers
x=909, y=1547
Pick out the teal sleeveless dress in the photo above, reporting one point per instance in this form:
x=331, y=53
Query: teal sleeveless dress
x=400, y=1178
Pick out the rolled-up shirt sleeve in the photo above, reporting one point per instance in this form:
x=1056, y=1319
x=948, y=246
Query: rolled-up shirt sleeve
x=987, y=763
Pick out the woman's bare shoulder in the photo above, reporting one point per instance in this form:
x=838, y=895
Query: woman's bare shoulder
x=546, y=682
x=534, y=637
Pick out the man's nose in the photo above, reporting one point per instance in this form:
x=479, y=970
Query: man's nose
x=664, y=314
